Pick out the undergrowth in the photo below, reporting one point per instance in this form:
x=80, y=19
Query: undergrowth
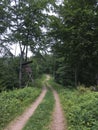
x=13, y=103
x=40, y=81
x=80, y=107
x=42, y=116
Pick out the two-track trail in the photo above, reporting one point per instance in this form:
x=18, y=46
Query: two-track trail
x=58, y=121
x=20, y=122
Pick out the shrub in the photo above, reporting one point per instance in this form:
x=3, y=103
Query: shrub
x=13, y=103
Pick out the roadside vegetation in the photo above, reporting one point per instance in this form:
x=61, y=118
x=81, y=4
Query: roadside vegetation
x=42, y=116
x=80, y=107
x=39, y=82
x=13, y=103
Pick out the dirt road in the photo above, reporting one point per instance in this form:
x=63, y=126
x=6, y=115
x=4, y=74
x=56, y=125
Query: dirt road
x=58, y=121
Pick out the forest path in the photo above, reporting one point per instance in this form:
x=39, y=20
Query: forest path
x=20, y=122
x=58, y=120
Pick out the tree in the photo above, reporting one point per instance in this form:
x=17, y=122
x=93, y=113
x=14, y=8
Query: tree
x=22, y=22
x=74, y=31
x=8, y=73
x=27, y=20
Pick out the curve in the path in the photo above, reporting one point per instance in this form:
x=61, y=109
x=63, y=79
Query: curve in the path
x=58, y=122
x=20, y=122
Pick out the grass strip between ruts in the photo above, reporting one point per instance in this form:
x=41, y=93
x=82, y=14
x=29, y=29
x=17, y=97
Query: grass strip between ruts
x=43, y=115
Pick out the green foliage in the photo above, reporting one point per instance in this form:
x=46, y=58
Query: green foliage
x=39, y=82
x=13, y=103
x=22, y=23
x=74, y=33
x=83, y=89
x=42, y=116
x=42, y=63
x=4, y=20
x=9, y=69
x=80, y=107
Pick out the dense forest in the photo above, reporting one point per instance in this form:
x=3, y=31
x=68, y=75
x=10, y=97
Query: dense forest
x=62, y=36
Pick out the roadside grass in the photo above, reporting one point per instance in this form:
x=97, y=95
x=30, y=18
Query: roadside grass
x=43, y=115
x=13, y=103
x=80, y=107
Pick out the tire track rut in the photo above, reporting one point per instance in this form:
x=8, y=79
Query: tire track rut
x=58, y=120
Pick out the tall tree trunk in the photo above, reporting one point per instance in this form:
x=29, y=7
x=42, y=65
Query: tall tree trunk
x=76, y=77
x=20, y=70
x=97, y=79
x=26, y=56
x=22, y=49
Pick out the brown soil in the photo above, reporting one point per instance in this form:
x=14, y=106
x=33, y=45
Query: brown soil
x=20, y=122
x=58, y=121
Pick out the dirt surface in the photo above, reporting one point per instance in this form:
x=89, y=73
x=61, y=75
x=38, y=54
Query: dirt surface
x=20, y=122
x=58, y=122
x=47, y=77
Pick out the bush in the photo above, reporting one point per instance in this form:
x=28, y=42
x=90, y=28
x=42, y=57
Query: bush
x=80, y=109
x=13, y=103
